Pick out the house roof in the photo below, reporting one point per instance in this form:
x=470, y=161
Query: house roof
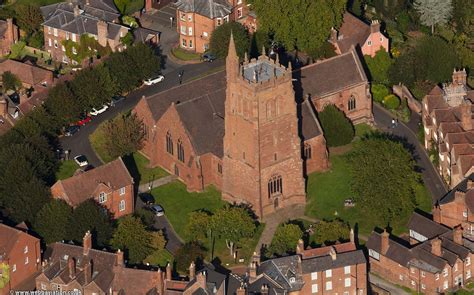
x=82, y=186
x=461, y=187
x=26, y=72
x=101, y=9
x=282, y=270
x=353, y=32
x=326, y=262
x=143, y=35
x=3, y=27
x=209, y=8
x=425, y=226
x=332, y=75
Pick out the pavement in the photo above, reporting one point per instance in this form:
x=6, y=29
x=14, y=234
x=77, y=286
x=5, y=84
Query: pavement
x=407, y=132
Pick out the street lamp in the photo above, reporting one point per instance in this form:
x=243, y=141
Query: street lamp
x=171, y=22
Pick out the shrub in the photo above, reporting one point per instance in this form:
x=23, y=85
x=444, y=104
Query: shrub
x=338, y=129
x=379, y=91
x=391, y=101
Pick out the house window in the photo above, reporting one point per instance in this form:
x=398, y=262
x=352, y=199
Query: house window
x=307, y=151
x=445, y=285
x=65, y=60
x=239, y=12
x=49, y=30
x=50, y=43
x=468, y=274
x=73, y=37
x=464, y=213
x=122, y=205
x=400, y=277
x=455, y=267
x=25, y=250
x=381, y=39
x=239, y=1
x=413, y=283
x=190, y=31
x=183, y=17
x=190, y=17
x=226, y=19
x=176, y=170
x=314, y=288
x=74, y=62
x=328, y=286
x=27, y=260
x=219, y=168
x=183, y=43
x=445, y=272
x=347, y=270
x=468, y=261
x=55, y=43
x=205, y=34
x=102, y=197
x=275, y=186
x=314, y=276
x=374, y=254
x=292, y=279
x=412, y=270
x=183, y=30
x=14, y=268
x=422, y=274
x=423, y=286
x=351, y=104
x=180, y=149
x=328, y=273
x=437, y=276
x=43, y=286
x=190, y=43
x=219, y=21
x=347, y=282
x=55, y=32
x=122, y=191
x=67, y=35
x=369, y=43
x=169, y=143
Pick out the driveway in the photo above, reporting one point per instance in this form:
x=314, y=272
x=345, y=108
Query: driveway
x=431, y=178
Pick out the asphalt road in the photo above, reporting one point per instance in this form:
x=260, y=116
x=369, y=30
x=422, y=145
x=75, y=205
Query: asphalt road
x=431, y=178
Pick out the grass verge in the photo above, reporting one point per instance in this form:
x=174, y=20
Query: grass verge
x=159, y=258
x=66, y=169
x=182, y=54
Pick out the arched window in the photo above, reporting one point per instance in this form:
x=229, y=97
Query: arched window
x=180, y=148
x=169, y=143
x=351, y=104
x=275, y=186
x=307, y=151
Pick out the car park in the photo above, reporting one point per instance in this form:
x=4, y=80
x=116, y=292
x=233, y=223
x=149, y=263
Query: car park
x=154, y=80
x=147, y=198
x=81, y=160
x=158, y=210
x=209, y=57
x=116, y=99
x=71, y=130
x=96, y=112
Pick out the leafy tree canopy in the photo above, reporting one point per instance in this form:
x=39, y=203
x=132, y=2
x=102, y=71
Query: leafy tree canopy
x=129, y=6
x=28, y=17
x=52, y=221
x=220, y=38
x=329, y=232
x=189, y=252
x=62, y=104
x=285, y=239
x=10, y=81
x=198, y=225
x=338, y=129
x=124, y=135
x=93, y=87
x=379, y=65
x=434, y=12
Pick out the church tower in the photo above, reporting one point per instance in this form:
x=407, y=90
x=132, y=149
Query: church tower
x=262, y=163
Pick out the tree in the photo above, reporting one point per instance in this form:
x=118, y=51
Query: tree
x=379, y=65
x=132, y=236
x=52, y=221
x=383, y=178
x=90, y=216
x=158, y=240
x=128, y=6
x=338, y=129
x=285, y=239
x=198, y=226
x=304, y=25
x=28, y=17
x=93, y=87
x=434, y=12
x=219, y=43
x=123, y=135
x=62, y=104
x=232, y=224
x=10, y=81
x=329, y=232
x=189, y=252
x=127, y=39
x=463, y=20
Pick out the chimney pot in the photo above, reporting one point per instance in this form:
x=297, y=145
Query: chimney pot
x=119, y=255
x=192, y=271
x=72, y=267
x=87, y=243
x=168, y=272
x=436, y=246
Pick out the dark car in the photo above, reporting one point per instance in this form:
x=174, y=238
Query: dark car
x=71, y=130
x=116, y=99
x=83, y=120
x=147, y=198
x=209, y=57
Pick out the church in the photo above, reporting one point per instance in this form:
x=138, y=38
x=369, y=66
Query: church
x=252, y=130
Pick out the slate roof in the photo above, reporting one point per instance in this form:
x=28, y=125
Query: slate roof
x=425, y=226
x=326, y=262
x=209, y=8
x=101, y=9
x=81, y=187
x=462, y=187
x=281, y=270
x=353, y=32
x=264, y=280
x=332, y=75
x=26, y=72
x=143, y=35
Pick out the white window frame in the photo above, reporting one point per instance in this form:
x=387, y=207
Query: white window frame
x=468, y=274
x=14, y=268
x=67, y=35
x=190, y=31
x=347, y=269
x=369, y=43
x=240, y=12
x=374, y=254
x=190, y=17
x=445, y=285
x=314, y=288
x=73, y=37
x=43, y=286
x=122, y=191
x=400, y=277
x=63, y=48
x=50, y=42
x=422, y=274
x=219, y=21
x=27, y=260
x=328, y=286
x=436, y=276
x=122, y=205
x=328, y=273
x=55, y=32
x=49, y=30
x=182, y=16
x=314, y=276
x=445, y=272
x=74, y=50
x=347, y=282
x=183, y=30
x=102, y=197
x=468, y=261
x=55, y=43
x=413, y=283
x=225, y=19
x=423, y=286
x=25, y=250
x=191, y=43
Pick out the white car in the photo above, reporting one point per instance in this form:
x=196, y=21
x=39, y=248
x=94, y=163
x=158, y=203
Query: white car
x=96, y=112
x=154, y=80
x=158, y=210
x=81, y=160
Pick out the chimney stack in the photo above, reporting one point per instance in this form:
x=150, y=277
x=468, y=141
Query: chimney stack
x=168, y=272
x=102, y=32
x=241, y=290
x=87, y=272
x=436, y=214
x=466, y=115
x=384, y=243
x=459, y=196
x=253, y=270
x=201, y=279
x=300, y=247
x=375, y=26
x=192, y=271
x=436, y=246
x=3, y=106
x=87, y=243
x=460, y=77
x=351, y=236
x=160, y=286
x=333, y=254
x=264, y=290
x=119, y=256
x=256, y=258
x=457, y=235
x=77, y=10
x=72, y=267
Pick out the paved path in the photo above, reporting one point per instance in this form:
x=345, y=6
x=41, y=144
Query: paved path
x=394, y=290
x=431, y=178
x=144, y=187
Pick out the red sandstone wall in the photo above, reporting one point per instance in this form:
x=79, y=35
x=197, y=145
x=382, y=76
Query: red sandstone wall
x=319, y=155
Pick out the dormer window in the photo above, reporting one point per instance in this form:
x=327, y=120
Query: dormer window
x=102, y=197
x=292, y=279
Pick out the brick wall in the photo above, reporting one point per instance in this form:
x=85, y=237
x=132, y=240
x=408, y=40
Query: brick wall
x=376, y=40
x=10, y=37
x=319, y=155
x=201, y=30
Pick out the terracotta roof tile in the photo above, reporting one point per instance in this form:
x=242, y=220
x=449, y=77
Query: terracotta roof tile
x=27, y=73
x=353, y=32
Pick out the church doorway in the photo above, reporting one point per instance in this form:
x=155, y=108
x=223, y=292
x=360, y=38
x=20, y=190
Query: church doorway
x=176, y=170
x=276, y=204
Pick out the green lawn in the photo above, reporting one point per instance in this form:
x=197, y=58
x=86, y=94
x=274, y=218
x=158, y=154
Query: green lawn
x=178, y=203
x=66, y=169
x=362, y=129
x=160, y=257
x=139, y=168
x=97, y=140
x=184, y=54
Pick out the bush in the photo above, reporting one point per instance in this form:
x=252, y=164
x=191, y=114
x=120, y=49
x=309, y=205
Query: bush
x=391, y=101
x=379, y=91
x=338, y=129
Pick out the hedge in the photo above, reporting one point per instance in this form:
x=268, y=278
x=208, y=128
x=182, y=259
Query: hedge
x=391, y=101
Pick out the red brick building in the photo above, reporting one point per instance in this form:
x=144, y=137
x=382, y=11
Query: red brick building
x=355, y=32
x=436, y=258
x=29, y=74
x=72, y=19
x=20, y=252
x=449, y=127
x=110, y=185
x=8, y=35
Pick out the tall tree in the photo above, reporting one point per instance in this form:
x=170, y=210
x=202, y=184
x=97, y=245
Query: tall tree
x=131, y=236
x=52, y=221
x=338, y=129
x=220, y=38
x=93, y=87
x=124, y=135
x=379, y=65
x=29, y=17
x=62, y=104
x=434, y=12
x=198, y=226
x=285, y=239
x=10, y=81
x=128, y=6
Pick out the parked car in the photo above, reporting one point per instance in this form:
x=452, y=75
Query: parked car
x=71, y=130
x=83, y=120
x=116, y=99
x=209, y=57
x=147, y=198
x=154, y=80
x=158, y=210
x=96, y=112
x=81, y=160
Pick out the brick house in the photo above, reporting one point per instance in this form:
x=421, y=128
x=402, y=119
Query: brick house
x=74, y=18
x=448, y=122
x=355, y=32
x=29, y=74
x=8, y=35
x=20, y=251
x=110, y=185
x=434, y=260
